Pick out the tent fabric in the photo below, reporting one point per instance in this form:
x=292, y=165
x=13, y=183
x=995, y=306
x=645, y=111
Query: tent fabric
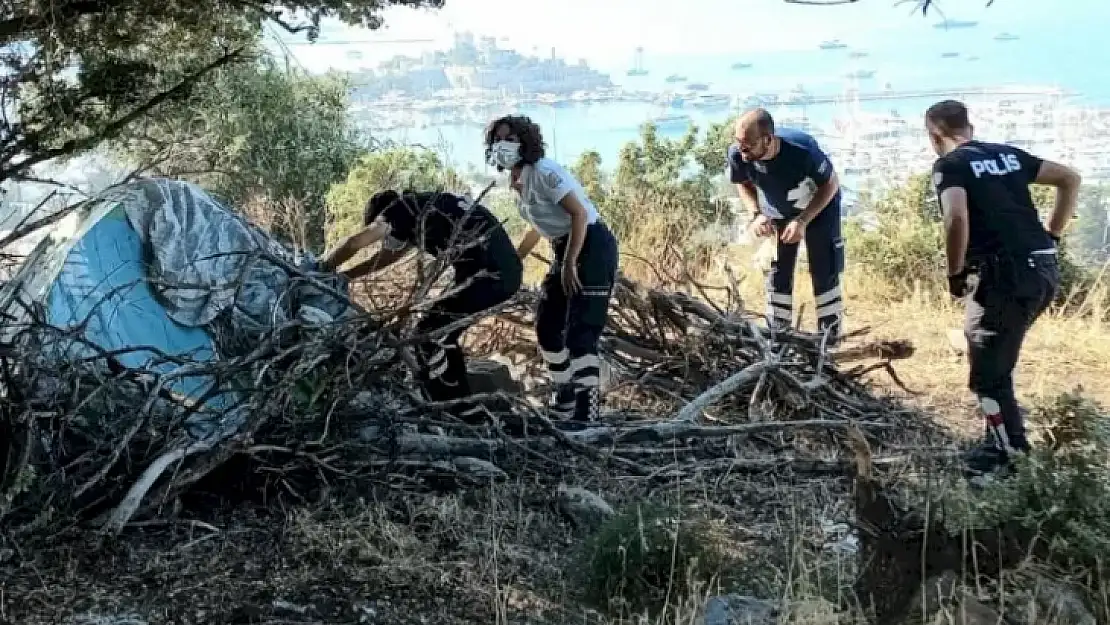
x=102, y=288
x=209, y=260
x=159, y=268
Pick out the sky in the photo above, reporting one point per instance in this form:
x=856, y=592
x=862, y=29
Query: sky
x=607, y=31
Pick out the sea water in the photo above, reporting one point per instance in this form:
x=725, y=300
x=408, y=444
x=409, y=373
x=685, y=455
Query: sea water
x=1051, y=59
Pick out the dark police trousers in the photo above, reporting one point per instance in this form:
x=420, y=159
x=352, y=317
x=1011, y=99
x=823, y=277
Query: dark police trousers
x=1010, y=295
x=443, y=365
x=568, y=329
x=825, y=250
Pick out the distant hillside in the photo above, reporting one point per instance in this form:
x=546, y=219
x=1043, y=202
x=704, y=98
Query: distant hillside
x=481, y=65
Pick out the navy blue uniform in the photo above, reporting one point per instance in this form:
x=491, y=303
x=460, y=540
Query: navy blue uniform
x=1015, y=259
x=439, y=223
x=788, y=183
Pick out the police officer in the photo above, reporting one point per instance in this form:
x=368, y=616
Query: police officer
x=993, y=231
x=802, y=196
x=487, y=272
x=574, y=304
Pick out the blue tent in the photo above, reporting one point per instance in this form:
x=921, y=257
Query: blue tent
x=146, y=273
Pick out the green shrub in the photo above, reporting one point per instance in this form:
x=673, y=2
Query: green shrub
x=646, y=556
x=1060, y=493
x=907, y=244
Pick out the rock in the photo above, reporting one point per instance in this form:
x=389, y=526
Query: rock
x=488, y=376
x=1053, y=602
x=943, y=601
x=740, y=610
x=586, y=509
x=364, y=401
x=969, y=611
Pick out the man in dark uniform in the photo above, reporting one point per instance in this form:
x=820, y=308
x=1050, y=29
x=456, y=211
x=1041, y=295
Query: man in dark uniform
x=487, y=272
x=802, y=202
x=993, y=231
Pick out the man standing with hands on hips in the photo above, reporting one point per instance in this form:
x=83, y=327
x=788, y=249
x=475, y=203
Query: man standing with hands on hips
x=802, y=202
x=993, y=231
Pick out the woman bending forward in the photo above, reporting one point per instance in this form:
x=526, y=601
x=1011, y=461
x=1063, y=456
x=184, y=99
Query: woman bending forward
x=574, y=304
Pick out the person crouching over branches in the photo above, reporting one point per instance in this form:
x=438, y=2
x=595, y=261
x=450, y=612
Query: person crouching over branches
x=574, y=303
x=487, y=272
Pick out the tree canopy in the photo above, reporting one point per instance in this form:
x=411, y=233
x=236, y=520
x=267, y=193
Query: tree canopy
x=76, y=72
x=257, y=131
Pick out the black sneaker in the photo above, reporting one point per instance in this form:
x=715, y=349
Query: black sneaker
x=587, y=405
x=986, y=463
x=562, y=402
x=586, y=410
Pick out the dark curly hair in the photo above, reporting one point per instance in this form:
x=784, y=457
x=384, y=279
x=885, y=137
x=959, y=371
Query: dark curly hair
x=525, y=130
x=384, y=200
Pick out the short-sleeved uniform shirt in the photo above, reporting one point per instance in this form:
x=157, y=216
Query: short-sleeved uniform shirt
x=789, y=181
x=1001, y=214
x=543, y=186
x=434, y=222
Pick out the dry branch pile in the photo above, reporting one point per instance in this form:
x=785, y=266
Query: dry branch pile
x=334, y=403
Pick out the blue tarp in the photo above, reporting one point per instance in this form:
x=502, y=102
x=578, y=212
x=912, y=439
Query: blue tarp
x=103, y=286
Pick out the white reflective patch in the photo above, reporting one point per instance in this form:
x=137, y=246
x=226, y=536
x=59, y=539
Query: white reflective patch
x=830, y=310
x=780, y=298
x=827, y=296
x=559, y=377
x=583, y=362
x=590, y=381
x=555, y=358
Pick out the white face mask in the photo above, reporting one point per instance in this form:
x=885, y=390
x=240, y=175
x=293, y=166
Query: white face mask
x=504, y=154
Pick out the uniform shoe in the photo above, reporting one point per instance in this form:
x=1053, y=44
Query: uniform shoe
x=587, y=405
x=562, y=402
x=987, y=461
x=985, y=458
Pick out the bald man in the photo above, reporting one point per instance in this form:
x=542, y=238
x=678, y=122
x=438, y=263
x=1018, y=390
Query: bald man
x=802, y=202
